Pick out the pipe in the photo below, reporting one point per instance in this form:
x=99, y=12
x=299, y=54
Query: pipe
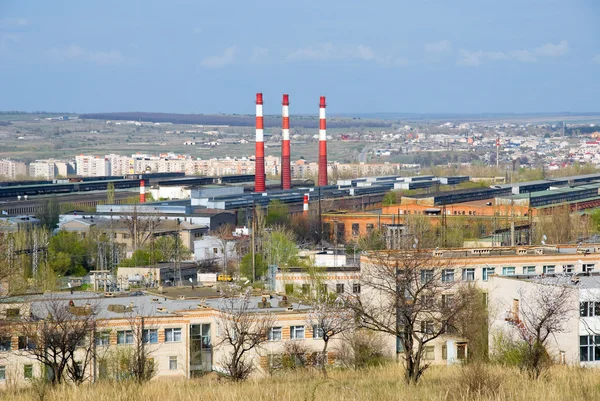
x=286, y=179
x=322, y=179
x=259, y=169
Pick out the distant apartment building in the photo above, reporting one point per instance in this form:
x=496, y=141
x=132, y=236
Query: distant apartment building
x=303, y=169
x=92, y=166
x=43, y=169
x=11, y=169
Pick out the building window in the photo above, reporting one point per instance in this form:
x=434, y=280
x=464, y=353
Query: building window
x=461, y=351
x=215, y=250
x=468, y=274
x=339, y=288
x=588, y=267
x=275, y=334
x=427, y=301
x=356, y=288
x=444, y=352
x=549, y=269
x=297, y=332
x=369, y=227
x=28, y=371
x=305, y=289
x=317, y=332
x=448, y=275
x=2, y=372
x=528, y=269
x=508, y=271
x=125, y=337
x=568, y=268
x=427, y=327
x=150, y=336
x=487, y=271
x=172, y=363
x=355, y=229
x=25, y=343
x=447, y=300
x=13, y=313
x=429, y=353
x=589, y=309
x=426, y=275
x=589, y=348
x=102, y=339
x=172, y=335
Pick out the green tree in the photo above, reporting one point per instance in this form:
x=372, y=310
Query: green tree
x=170, y=248
x=260, y=265
x=68, y=254
x=277, y=213
x=49, y=214
x=390, y=198
x=280, y=247
x=141, y=257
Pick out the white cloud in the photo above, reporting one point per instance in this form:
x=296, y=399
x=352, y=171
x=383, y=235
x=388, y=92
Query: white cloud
x=596, y=59
x=523, y=56
x=476, y=58
x=78, y=53
x=328, y=51
x=552, y=50
x=221, y=60
x=444, y=46
x=258, y=54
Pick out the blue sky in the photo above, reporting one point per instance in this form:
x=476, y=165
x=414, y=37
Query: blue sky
x=200, y=56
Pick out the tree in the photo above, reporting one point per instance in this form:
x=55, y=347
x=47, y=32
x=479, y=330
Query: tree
x=543, y=312
x=280, y=247
x=141, y=365
x=241, y=330
x=260, y=266
x=277, y=213
x=224, y=240
x=62, y=338
x=373, y=241
x=409, y=295
x=141, y=227
x=49, y=214
x=68, y=253
x=329, y=317
x=390, y=198
x=170, y=248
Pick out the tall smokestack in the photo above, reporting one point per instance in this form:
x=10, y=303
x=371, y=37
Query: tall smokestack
x=322, y=181
x=286, y=178
x=142, y=191
x=259, y=169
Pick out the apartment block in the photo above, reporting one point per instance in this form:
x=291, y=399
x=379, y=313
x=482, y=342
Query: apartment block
x=92, y=166
x=44, y=169
x=183, y=337
x=11, y=169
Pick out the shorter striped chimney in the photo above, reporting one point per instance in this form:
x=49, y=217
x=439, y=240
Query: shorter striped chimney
x=322, y=178
x=305, y=205
x=142, y=191
x=259, y=167
x=286, y=179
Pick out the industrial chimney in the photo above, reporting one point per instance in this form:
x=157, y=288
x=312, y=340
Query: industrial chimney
x=259, y=169
x=286, y=179
x=305, y=205
x=322, y=180
x=142, y=191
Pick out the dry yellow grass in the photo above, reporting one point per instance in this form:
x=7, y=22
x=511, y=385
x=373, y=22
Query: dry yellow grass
x=384, y=383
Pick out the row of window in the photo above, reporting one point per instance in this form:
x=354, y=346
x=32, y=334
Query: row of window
x=340, y=288
x=149, y=336
x=23, y=342
x=429, y=352
x=27, y=372
x=468, y=274
x=296, y=333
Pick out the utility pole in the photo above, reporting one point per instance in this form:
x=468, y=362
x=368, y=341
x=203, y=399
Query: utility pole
x=497, y=152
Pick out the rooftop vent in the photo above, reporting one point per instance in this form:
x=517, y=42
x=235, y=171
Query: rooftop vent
x=521, y=251
x=480, y=251
x=162, y=310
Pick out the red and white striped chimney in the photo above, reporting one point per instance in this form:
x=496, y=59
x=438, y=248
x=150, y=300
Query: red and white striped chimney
x=305, y=205
x=142, y=191
x=259, y=169
x=322, y=181
x=286, y=178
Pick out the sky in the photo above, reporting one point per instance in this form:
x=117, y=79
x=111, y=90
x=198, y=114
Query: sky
x=395, y=56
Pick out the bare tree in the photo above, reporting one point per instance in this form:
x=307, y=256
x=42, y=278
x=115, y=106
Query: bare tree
x=542, y=312
x=224, y=241
x=242, y=329
x=141, y=364
x=329, y=318
x=62, y=338
x=141, y=227
x=411, y=295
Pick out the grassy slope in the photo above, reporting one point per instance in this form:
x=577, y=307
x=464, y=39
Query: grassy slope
x=380, y=384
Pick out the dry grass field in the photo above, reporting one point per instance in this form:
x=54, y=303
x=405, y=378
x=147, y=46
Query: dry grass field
x=381, y=383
